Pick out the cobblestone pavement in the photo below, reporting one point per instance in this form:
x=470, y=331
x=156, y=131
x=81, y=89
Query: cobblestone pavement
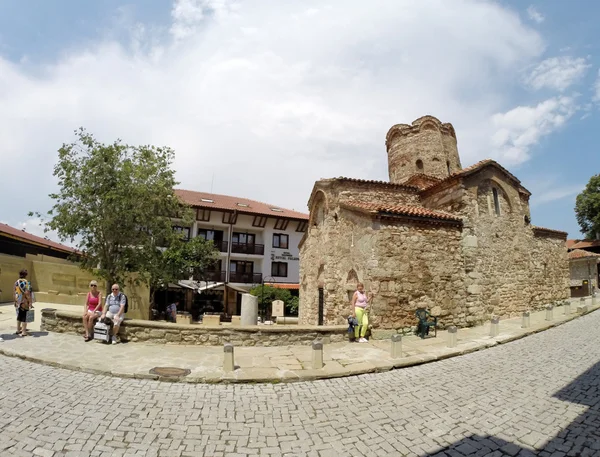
x=536, y=396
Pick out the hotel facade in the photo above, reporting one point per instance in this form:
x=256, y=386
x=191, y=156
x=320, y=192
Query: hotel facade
x=257, y=244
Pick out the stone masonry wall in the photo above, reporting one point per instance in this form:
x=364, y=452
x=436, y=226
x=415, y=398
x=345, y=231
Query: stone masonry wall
x=406, y=265
x=197, y=334
x=581, y=270
x=508, y=268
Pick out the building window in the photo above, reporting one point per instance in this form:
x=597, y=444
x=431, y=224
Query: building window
x=243, y=238
x=301, y=226
x=496, y=201
x=448, y=165
x=281, y=224
x=279, y=269
x=259, y=221
x=280, y=240
x=229, y=218
x=203, y=215
x=419, y=165
x=183, y=231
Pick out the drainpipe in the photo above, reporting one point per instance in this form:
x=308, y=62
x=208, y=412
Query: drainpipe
x=230, y=236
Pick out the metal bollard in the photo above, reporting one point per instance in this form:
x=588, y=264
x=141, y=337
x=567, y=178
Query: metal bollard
x=396, y=346
x=452, y=337
x=526, y=322
x=317, y=355
x=228, y=364
x=549, y=312
x=494, y=327
x=567, y=309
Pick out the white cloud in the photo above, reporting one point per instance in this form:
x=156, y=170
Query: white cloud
x=558, y=73
x=535, y=15
x=518, y=130
x=270, y=99
x=554, y=193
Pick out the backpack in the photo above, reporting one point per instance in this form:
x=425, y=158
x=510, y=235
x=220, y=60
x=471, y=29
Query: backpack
x=22, y=291
x=126, y=303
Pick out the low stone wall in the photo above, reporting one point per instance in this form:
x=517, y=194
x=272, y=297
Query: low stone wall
x=198, y=334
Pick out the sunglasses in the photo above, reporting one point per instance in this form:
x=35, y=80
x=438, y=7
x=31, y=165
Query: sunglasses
x=93, y=285
x=115, y=289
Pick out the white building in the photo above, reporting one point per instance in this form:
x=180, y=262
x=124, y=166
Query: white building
x=258, y=243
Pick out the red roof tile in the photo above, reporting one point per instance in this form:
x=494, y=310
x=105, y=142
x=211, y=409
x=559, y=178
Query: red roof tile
x=581, y=254
x=570, y=243
x=379, y=183
x=402, y=210
x=28, y=237
x=549, y=231
x=241, y=205
x=476, y=167
x=583, y=244
x=422, y=181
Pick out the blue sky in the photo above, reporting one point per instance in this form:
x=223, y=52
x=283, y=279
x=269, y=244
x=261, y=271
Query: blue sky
x=299, y=91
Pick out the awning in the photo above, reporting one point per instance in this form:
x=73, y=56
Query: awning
x=289, y=286
x=201, y=286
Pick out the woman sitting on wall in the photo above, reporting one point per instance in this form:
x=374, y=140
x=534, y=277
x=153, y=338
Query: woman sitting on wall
x=91, y=310
x=360, y=304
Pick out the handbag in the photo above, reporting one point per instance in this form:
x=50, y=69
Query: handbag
x=30, y=317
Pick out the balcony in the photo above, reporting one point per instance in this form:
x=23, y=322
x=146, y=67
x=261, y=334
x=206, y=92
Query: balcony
x=220, y=245
x=244, y=248
x=215, y=276
x=246, y=278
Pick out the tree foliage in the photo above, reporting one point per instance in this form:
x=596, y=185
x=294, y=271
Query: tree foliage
x=116, y=203
x=267, y=295
x=587, y=208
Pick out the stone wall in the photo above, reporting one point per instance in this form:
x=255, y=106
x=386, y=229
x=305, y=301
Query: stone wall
x=62, y=281
x=405, y=264
x=583, y=270
x=197, y=334
x=509, y=268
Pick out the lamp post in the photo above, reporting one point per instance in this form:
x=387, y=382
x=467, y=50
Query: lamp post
x=262, y=289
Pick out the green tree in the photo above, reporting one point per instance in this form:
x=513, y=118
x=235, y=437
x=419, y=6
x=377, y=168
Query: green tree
x=181, y=260
x=268, y=294
x=587, y=208
x=116, y=203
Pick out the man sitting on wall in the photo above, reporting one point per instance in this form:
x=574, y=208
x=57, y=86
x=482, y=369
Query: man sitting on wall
x=171, y=313
x=114, y=309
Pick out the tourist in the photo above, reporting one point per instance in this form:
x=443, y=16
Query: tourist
x=172, y=311
x=23, y=302
x=360, y=304
x=114, y=309
x=91, y=310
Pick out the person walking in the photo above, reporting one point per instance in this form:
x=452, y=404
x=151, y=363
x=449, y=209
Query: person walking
x=91, y=310
x=114, y=309
x=360, y=305
x=23, y=301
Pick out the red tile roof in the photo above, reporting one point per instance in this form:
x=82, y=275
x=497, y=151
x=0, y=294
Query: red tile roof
x=570, y=243
x=379, y=183
x=581, y=254
x=280, y=285
x=476, y=167
x=241, y=205
x=402, y=210
x=583, y=244
x=422, y=181
x=38, y=240
x=549, y=231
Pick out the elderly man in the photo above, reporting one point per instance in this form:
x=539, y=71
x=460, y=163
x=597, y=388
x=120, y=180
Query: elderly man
x=114, y=309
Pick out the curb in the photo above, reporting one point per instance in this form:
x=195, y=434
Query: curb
x=310, y=375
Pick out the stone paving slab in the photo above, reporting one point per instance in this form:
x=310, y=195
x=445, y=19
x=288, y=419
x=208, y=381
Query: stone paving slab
x=256, y=364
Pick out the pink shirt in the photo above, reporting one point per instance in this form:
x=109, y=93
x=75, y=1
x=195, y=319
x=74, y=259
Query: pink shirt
x=361, y=299
x=92, y=301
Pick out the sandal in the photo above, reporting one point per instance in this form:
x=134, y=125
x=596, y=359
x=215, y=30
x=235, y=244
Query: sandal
x=87, y=338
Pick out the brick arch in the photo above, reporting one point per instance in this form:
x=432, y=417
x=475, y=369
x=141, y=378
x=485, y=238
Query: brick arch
x=318, y=211
x=485, y=188
x=352, y=276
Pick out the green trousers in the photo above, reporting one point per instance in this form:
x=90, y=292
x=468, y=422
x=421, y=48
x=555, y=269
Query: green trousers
x=363, y=322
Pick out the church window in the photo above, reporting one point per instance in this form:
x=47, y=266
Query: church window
x=419, y=165
x=496, y=201
x=448, y=166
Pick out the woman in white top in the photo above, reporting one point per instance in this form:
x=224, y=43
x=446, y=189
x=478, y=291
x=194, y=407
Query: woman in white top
x=360, y=305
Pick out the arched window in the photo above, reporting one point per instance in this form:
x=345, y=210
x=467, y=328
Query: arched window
x=496, y=201
x=419, y=165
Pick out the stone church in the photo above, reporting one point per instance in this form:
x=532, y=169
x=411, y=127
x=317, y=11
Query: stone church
x=458, y=241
